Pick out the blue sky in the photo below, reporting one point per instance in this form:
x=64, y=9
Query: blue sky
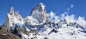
x=56, y=6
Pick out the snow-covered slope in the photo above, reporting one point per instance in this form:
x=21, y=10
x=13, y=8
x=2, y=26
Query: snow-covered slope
x=38, y=26
x=67, y=32
x=51, y=30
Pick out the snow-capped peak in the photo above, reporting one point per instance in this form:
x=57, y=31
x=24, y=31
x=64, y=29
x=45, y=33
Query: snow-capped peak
x=39, y=13
x=11, y=10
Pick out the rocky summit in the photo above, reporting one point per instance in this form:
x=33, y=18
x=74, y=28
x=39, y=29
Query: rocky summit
x=39, y=13
x=38, y=26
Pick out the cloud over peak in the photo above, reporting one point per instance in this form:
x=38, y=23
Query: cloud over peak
x=70, y=18
x=43, y=6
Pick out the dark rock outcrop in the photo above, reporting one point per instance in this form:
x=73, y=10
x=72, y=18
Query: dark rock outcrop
x=18, y=31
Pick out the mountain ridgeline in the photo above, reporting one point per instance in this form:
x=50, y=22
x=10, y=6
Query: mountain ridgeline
x=38, y=26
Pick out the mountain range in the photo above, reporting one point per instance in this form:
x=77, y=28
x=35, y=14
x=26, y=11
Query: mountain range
x=38, y=26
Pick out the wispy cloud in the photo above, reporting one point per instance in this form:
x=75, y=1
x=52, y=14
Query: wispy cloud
x=70, y=18
x=43, y=6
x=68, y=8
x=71, y=6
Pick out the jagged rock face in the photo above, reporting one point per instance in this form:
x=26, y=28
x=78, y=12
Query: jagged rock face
x=18, y=31
x=39, y=13
x=75, y=25
x=11, y=11
x=13, y=19
x=62, y=22
x=9, y=18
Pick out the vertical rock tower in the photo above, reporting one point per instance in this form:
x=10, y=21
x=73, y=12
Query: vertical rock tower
x=39, y=13
x=9, y=18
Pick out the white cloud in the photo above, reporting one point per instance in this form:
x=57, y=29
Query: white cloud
x=43, y=6
x=17, y=11
x=70, y=18
x=72, y=5
x=68, y=8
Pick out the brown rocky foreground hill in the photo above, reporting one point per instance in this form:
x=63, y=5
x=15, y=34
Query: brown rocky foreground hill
x=6, y=34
